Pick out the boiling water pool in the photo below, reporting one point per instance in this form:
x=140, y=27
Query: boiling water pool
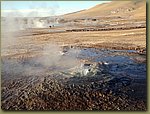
x=117, y=62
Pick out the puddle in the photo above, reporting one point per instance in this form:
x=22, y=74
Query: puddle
x=54, y=31
x=117, y=62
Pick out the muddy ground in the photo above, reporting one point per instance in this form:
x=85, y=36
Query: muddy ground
x=113, y=75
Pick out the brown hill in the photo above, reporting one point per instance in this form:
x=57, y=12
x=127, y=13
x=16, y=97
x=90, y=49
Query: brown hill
x=133, y=9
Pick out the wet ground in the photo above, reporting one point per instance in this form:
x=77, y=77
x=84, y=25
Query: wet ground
x=126, y=62
x=106, y=80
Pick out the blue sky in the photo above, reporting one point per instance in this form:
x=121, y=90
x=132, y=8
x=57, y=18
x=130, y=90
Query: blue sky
x=44, y=8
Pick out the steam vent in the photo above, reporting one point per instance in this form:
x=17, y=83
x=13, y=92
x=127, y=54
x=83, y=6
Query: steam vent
x=73, y=56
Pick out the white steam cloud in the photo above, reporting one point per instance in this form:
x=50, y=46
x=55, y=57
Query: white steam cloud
x=51, y=60
x=52, y=57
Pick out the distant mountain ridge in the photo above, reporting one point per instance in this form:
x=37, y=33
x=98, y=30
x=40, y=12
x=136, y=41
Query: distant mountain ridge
x=135, y=8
